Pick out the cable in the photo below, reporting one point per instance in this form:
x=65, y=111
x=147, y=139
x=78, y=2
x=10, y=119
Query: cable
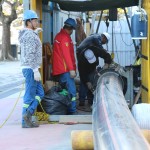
x=42, y=116
x=13, y=108
x=122, y=37
x=107, y=25
x=116, y=50
x=137, y=55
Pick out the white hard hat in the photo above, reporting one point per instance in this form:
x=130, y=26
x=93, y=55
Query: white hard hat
x=106, y=35
x=89, y=55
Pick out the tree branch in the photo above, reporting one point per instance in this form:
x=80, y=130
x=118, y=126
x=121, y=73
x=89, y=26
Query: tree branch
x=1, y=3
x=13, y=15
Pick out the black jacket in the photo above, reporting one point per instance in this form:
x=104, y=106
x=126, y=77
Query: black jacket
x=85, y=68
x=91, y=40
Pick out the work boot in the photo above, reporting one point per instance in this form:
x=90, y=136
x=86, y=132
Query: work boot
x=33, y=124
x=28, y=121
x=73, y=113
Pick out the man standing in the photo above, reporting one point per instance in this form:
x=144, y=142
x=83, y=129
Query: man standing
x=64, y=61
x=31, y=59
x=87, y=54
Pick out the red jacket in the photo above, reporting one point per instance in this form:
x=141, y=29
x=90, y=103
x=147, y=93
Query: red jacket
x=63, y=54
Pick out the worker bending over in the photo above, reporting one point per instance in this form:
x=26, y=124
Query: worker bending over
x=31, y=59
x=87, y=54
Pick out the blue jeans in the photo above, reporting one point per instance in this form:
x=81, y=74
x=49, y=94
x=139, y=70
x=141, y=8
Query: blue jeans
x=34, y=92
x=82, y=92
x=70, y=84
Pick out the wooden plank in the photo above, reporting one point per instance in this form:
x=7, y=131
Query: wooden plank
x=76, y=119
x=71, y=118
x=54, y=118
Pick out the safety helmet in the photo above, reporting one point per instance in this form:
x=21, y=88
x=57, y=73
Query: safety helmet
x=106, y=35
x=29, y=14
x=71, y=22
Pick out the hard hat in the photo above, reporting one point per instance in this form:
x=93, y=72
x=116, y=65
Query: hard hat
x=89, y=55
x=71, y=22
x=29, y=14
x=106, y=35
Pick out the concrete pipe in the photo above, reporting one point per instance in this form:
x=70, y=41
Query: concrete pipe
x=146, y=134
x=114, y=127
x=82, y=140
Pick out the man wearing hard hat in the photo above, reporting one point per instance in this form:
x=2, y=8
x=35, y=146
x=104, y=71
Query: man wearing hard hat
x=64, y=64
x=87, y=54
x=31, y=59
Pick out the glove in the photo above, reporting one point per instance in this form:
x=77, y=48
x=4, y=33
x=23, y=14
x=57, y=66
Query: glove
x=38, y=30
x=113, y=65
x=72, y=74
x=37, y=76
x=89, y=85
x=105, y=66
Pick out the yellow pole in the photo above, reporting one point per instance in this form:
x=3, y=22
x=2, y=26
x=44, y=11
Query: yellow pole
x=33, y=5
x=36, y=5
x=145, y=62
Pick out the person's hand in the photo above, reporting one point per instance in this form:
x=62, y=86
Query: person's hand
x=38, y=30
x=72, y=74
x=89, y=85
x=37, y=76
x=106, y=66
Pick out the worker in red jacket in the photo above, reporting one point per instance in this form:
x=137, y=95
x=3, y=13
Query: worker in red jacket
x=64, y=63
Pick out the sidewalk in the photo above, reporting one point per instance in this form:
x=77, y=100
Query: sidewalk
x=10, y=74
x=10, y=78
x=12, y=136
x=53, y=136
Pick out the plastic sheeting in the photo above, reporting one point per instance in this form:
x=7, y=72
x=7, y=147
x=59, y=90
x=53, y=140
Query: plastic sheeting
x=114, y=127
x=141, y=113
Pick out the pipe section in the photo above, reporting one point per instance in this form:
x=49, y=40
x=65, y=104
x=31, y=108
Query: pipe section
x=82, y=140
x=114, y=127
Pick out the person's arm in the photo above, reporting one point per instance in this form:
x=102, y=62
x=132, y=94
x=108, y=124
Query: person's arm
x=105, y=55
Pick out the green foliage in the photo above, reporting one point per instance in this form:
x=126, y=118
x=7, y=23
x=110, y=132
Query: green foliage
x=21, y=1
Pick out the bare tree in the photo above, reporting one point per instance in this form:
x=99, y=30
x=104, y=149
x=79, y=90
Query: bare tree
x=6, y=23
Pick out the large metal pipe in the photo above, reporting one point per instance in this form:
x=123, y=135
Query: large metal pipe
x=114, y=127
